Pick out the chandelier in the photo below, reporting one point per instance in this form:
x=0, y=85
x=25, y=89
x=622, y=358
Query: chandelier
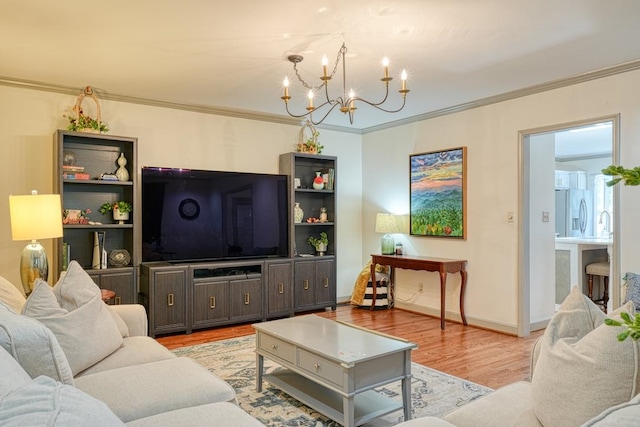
x=346, y=102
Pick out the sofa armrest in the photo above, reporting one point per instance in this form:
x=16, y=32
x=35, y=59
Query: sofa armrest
x=135, y=316
x=535, y=353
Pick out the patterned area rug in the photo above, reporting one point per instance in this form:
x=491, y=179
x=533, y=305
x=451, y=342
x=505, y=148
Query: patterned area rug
x=432, y=392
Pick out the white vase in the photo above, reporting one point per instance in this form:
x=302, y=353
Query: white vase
x=121, y=217
x=298, y=214
x=122, y=174
x=318, y=183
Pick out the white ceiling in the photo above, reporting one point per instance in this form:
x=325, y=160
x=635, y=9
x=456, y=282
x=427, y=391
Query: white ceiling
x=231, y=55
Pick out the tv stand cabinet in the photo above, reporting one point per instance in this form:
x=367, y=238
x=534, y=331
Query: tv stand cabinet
x=181, y=297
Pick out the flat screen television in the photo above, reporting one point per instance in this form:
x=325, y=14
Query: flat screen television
x=199, y=215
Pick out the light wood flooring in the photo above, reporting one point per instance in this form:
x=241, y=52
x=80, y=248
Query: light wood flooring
x=485, y=357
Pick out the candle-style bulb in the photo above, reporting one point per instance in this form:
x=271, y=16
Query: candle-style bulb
x=285, y=83
x=403, y=77
x=310, y=95
x=325, y=61
x=385, y=64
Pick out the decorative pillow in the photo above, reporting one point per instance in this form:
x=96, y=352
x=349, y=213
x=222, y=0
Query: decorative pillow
x=77, y=316
x=582, y=368
x=624, y=415
x=44, y=402
x=633, y=289
x=12, y=376
x=10, y=295
x=122, y=326
x=33, y=346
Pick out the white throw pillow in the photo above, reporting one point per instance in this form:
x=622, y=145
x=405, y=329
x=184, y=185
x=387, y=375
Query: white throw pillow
x=623, y=415
x=44, y=402
x=33, y=346
x=582, y=368
x=77, y=316
x=10, y=295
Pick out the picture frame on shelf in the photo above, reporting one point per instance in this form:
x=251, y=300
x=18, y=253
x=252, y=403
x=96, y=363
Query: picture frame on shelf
x=438, y=193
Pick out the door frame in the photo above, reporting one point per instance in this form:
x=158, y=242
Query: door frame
x=524, y=220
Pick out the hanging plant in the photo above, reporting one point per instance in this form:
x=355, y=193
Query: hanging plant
x=78, y=121
x=309, y=144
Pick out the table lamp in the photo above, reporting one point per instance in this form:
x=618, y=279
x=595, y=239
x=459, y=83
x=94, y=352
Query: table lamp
x=388, y=224
x=35, y=216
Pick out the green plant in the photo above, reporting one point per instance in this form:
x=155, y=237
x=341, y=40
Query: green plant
x=629, y=176
x=85, y=122
x=120, y=206
x=315, y=242
x=630, y=324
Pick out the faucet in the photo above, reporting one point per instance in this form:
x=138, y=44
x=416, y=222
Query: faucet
x=607, y=225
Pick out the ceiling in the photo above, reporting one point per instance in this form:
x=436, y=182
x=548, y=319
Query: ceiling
x=230, y=56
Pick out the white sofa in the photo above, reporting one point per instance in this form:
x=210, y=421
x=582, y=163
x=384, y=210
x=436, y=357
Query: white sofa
x=69, y=359
x=580, y=376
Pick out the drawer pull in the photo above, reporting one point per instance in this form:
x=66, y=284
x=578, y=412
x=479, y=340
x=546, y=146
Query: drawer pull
x=326, y=282
x=212, y=302
x=246, y=299
x=274, y=347
x=118, y=301
x=306, y=284
x=317, y=366
x=281, y=288
x=170, y=300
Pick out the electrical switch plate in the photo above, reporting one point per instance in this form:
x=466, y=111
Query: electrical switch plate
x=545, y=216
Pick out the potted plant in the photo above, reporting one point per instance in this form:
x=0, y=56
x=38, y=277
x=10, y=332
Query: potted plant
x=120, y=210
x=84, y=122
x=320, y=244
x=619, y=173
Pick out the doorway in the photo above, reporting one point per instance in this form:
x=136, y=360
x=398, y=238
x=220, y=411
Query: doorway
x=577, y=151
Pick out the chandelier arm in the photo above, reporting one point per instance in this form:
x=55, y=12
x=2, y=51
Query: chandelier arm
x=333, y=104
x=404, y=100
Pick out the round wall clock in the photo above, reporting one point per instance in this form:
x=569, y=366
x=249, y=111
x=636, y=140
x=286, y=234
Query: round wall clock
x=189, y=209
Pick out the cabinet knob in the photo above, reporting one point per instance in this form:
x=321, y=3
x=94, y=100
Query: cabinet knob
x=306, y=284
x=317, y=366
x=274, y=347
x=212, y=302
x=325, y=281
x=117, y=300
x=170, y=300
x=281, y=288
x=246, y=298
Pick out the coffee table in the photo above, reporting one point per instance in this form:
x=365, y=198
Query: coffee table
x=333, y=367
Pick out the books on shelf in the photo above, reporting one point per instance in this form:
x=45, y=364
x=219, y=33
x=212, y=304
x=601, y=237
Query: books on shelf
x=67, y=168
x=76, y=175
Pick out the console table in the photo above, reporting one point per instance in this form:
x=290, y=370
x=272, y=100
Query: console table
x=409, y=262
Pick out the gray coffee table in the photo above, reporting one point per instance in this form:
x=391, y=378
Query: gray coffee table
x=333, y=367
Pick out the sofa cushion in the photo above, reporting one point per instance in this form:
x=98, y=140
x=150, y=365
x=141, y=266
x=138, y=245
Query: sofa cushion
x=140, y=391
x=624, y=415
x=45, y=402
x=633, y=289
x=582, y=372
x=33, y=346
x=10, y=295
x=507, y=406
x=221, y=414
x=12, y=376
x=77, y=316
x=134, y=351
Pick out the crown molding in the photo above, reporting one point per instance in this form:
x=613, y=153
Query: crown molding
x=281, y=119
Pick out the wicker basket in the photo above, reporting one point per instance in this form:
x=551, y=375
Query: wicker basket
x=77, y=109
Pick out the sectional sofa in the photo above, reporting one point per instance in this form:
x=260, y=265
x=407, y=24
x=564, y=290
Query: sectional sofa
x=69, y=359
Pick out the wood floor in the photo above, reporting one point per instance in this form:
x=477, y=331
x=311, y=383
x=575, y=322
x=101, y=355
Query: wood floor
x=484, y=357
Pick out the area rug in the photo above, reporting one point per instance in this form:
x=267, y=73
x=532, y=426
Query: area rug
x=432, y=392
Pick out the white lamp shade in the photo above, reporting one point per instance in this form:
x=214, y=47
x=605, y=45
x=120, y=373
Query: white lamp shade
x=35, y=216
x=390, y=223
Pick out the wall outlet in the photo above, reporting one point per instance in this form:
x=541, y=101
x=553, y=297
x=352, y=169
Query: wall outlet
x=420, y=285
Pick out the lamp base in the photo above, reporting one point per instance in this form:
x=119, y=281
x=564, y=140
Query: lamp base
x=388, y=245
x=33, y=265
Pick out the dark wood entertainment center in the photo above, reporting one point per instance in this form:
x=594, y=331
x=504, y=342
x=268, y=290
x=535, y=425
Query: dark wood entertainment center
x=182, y=297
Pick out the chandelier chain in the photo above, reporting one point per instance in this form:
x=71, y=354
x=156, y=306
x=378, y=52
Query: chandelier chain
x=343, y=50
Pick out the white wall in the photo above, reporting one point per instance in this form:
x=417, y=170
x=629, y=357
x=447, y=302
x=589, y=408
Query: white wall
x=491, y=135
x=172, y=138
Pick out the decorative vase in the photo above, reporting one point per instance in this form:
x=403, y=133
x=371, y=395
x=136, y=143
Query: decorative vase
x=318, y=182
x=321, y=248
x=122, y=173
x=121, y=217
x=323, y=214
x=298, y=214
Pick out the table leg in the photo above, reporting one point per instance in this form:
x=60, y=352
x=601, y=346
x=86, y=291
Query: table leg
x=443, y=291
x=349, y=410
x=463, y=274
x=259, y=368
x=406, y=397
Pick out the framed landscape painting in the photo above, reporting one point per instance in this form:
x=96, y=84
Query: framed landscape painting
x=438, y=193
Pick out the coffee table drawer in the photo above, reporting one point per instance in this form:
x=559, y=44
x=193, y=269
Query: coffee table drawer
x=277, y=347
x=320, y=367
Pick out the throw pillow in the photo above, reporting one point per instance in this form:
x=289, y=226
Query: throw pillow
x=10, y=295
x=633, y=289
x=44, y=402
x=624, y=415
x=33, y=346
x=77, y=316
x=582, y=369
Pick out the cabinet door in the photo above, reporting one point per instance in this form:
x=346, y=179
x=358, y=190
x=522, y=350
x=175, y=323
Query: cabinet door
x=210, y=303
x=304, y=281
x=279, y=290
x=246, y=299
x=169, y=299
x=122, y=283
x=325, y=291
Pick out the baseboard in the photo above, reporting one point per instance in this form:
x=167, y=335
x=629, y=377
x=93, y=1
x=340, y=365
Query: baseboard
x=455, y=317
